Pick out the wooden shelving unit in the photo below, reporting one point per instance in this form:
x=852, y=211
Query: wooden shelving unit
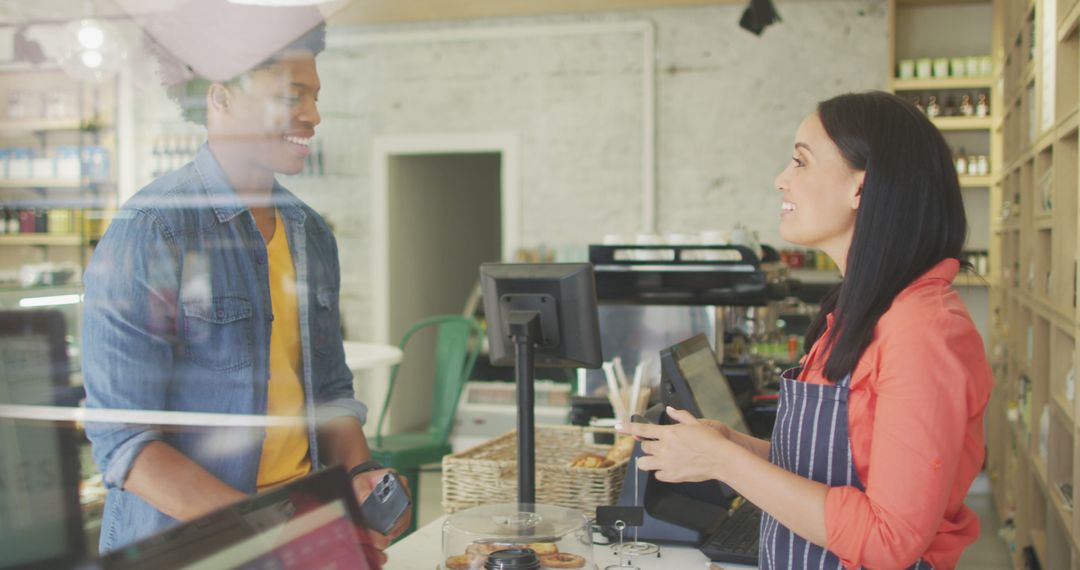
x=1032, y=438
x=953, y=29
x=79, y=204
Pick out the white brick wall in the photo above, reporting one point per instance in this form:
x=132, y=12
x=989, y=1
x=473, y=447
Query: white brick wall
x=728, y=103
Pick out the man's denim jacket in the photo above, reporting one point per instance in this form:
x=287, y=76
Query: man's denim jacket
x=177, y=317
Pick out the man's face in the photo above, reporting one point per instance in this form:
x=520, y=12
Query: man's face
x=273, y=112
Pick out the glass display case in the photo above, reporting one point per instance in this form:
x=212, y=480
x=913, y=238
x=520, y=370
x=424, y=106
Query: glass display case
x=515, y=535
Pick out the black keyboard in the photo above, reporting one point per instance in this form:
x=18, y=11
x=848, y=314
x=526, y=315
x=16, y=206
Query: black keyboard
x=736, y=540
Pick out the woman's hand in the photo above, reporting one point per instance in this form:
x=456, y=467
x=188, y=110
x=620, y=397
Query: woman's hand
x=689, y=451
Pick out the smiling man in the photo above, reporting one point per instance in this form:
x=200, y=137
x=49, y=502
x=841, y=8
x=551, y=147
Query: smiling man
x=216, y=290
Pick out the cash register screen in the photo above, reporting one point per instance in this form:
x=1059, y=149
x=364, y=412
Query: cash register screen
x=711, y=390
x=36, y=505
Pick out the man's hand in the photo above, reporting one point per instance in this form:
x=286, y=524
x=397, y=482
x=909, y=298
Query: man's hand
x=362, y=487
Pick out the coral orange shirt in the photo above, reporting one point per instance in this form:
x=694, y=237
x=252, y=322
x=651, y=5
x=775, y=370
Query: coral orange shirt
x=915, y=419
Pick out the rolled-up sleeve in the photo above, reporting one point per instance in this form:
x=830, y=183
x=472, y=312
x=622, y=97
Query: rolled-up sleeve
x=128, y=334
x=334, y=394
x=920, y=424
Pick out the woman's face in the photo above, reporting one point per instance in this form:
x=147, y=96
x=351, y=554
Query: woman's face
x=820, y=192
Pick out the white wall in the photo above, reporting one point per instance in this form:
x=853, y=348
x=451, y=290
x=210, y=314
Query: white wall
x=728, y=104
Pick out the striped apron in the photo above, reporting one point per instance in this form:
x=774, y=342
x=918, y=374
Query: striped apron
x=810, y=439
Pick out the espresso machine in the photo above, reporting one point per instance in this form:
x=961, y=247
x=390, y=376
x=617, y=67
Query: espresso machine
x=654, y=296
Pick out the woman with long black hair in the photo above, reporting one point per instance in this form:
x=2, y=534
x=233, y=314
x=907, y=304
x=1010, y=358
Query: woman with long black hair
x=879, y=432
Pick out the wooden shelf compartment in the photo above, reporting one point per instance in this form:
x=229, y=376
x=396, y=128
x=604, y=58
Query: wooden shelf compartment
x=1041, y=308
x=1061, y=368
x=1060, y=469
x=1064, y=240
x=1040, y=276
x=42, y=239
x=963, y=123
x=41, y=183
x=1068, y=12
x=38, y=125
x=943, y=83
x=1038, y=542
x=976, y=181
x=1066, y=82
x=1060, y=542
x=1058, y=547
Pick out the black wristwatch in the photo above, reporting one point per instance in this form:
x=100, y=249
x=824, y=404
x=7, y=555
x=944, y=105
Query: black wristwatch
x=369, y=465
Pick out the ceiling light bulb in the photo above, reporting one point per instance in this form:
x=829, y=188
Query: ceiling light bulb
x=91, y=36
x=91, y=58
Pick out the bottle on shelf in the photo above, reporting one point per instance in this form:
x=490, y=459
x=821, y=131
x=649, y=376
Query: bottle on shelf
x=982, y=107
x=961, y=162
x=932, y=107
x=966, y=108
x=917, y=101
x=948, y=109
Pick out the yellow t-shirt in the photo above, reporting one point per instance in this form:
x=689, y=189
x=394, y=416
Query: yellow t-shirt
x=285, y=450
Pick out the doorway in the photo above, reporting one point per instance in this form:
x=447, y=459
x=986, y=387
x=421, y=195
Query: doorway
x=444, y=215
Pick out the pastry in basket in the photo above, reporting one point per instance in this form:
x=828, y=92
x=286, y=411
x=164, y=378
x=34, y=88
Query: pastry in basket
x=466, y=562
x=591, y=461
x=623, y=448
x=562, y=560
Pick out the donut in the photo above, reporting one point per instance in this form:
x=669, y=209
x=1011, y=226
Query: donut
x=562, y=560
x=543, y=548
x=485, y=548
x=466, y=562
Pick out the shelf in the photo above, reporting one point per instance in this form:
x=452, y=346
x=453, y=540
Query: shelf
x=39, y=289
x=1044, y=220
x=42, y=239
x=41, y=183
x=1067, y=124
x=1064, y=407
x=963, y=123
x=976, y=181
x=1067, y=24
x=942, y=83
x=1043, y=308
x=1038, y=542
x=39, y=125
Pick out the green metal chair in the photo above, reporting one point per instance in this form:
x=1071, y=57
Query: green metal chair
x=455, y=357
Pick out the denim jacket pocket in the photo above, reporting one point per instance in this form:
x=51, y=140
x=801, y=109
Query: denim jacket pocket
x=218, y=332
x=326, y=300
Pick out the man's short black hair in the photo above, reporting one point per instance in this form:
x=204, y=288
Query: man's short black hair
x=190, y=94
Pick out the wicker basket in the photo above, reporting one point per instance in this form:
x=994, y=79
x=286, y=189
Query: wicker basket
x=487, y=473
